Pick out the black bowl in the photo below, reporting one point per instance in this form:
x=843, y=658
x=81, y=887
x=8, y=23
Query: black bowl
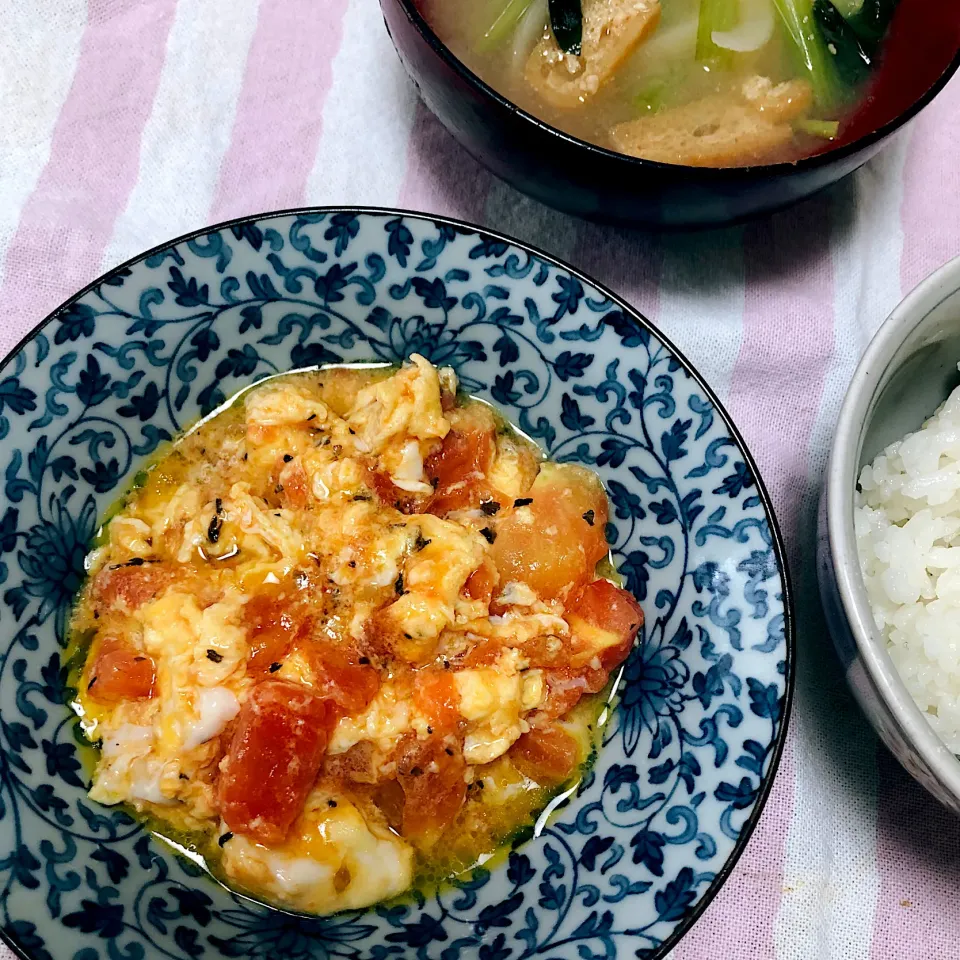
x=922, y=53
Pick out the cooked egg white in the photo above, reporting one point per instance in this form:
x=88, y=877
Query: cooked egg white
x=337, y=857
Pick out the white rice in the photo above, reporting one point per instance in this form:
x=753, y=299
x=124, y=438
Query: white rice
x=907, y=522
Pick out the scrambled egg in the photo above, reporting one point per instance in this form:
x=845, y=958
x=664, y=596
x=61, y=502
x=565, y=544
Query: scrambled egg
x=301, y=492
x=338, y=858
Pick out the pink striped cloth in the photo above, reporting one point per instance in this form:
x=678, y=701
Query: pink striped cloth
x=126, y=122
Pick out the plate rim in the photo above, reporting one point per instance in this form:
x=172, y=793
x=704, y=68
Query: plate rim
x=789, y=615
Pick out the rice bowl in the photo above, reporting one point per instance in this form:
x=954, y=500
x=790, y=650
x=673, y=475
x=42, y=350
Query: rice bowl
x=906, y=373
x=907, y=523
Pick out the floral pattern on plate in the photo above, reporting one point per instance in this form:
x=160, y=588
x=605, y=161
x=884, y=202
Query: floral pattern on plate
x=633, y=854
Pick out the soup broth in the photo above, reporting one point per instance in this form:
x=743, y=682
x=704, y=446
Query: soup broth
x=713, y=83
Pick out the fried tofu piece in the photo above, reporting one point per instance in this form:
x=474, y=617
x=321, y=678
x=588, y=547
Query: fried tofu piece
x=745, y=126
x=612, y=30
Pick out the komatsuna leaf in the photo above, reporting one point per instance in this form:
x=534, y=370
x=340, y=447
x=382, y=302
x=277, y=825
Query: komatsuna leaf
x=566, y=19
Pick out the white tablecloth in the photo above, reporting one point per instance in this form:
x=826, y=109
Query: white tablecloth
x=127, y=122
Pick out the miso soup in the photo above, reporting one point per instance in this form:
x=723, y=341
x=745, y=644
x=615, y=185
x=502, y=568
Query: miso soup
x=711, y=83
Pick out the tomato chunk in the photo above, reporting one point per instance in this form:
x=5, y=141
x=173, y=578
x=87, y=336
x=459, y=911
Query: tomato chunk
x=437, y=699
x=565, y=688
x=548, y=755
x=275, y=754
x=121, y=673
x=390, y=493
x=431, y=775
x=130, y=586
x=604, y=620
x=461, y=465
x=481, y=583
x=555, y=539
x=341, y=677
x=272, y=622
x=293, y=485
x=357, y=765
x=390, y=798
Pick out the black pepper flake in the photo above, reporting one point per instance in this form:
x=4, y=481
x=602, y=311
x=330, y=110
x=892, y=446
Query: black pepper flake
x=139, y=659
x=214, y=656
x=352, y=564
x=134, y=562
x=222, y=840
x=448, y=751
x=523, y=502
x=398, y=586
x=589, y=516
x=490, y=507
x=91, y=683
x=429, y=730
x=434, y=482
x=364, y=661
x=421, y=541
x=246, y=457
x=416, y=772
x=488, y=535
x=353, y=432
x=274, y=667
x=183, y=776
x=96, y=614
x=312, y=416
x=408, y=636
x=331, y=803
x=216, y=524
x=287, y=458
x=213, y=531
x=278, y=488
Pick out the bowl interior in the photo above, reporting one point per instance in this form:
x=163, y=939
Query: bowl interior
x=638, y=849
x=920, y=375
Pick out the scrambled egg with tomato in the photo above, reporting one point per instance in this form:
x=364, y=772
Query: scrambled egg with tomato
x=340, y=632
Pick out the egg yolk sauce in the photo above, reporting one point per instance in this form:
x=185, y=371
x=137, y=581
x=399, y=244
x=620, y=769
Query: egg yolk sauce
x=341, y=635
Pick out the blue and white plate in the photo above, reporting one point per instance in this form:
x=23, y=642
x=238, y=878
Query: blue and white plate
x=627, y=865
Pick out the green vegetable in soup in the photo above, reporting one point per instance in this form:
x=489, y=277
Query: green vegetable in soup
x=848, y=8
x=504, y=25
x=852, y=60
x=653, y=97
x=872, y=21
x=566, y=19
x=715, y=15
x=813, y=56
x=823, y=129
